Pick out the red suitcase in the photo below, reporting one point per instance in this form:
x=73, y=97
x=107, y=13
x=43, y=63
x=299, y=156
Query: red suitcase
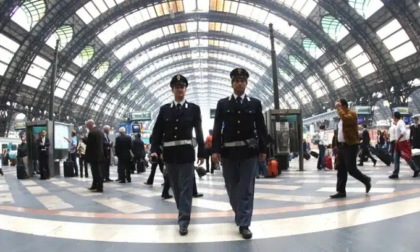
x=328, y=162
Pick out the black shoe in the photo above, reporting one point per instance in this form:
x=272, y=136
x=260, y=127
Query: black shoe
x=338, y=195
x=198, y=195
x=368, y=185
x=92, y=188
x=183, y=231
x=129, y=180
x=374, y=162
x=98, y=190
x=122, y=182
x=1, y=172
x=245, y=232
x=167, y=196
x=147, y=184
x=393, y=176
x=416, y=174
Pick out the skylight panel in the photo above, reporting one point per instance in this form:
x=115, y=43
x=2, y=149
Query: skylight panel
x=313, y=50
x=29, y=13
x=281, y=25
x=336, y=74
x=360, y=60
x=366, y=8
x=100, y=5
x=36, y=72
x=333, y=28
x=8, y=49
x=64, y=33
x=317, y=86
x=92, y=9
x=285, y=75
x=114, y=30
x=115, y=80
x=297, y=63
x=63, y=84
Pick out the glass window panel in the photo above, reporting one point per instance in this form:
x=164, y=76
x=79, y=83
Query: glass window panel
x=91, y=8
x=80, y=101
x=85, y=55
x=59, y=92
x=333, y=28
x=84, y=94
x=31, y=81
x=296, y=63
x=100, y=5
x=366, y=69
x=84, y=15
x=29, y=13
x=189, y=6
x=366, y=8
x=312, y=48
x=396, y=39
x=339, y=83
x=64, y=33
x=114, y=81
x=101, y=69
x=403, y=51
x=3, y=68
x=360, y=60
x=388, y=29
x=8, y=43
x=354, y=51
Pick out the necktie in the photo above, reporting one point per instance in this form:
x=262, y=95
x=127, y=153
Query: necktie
x=239, y=100
x=178, y=106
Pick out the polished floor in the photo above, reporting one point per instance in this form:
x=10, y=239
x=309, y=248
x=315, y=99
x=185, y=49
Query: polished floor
x=292, y=212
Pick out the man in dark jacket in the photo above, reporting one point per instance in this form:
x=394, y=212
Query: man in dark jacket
x=107, y=154
x=364, y=147
x=173, y=128
x=95, y=155
x=239, y=139
x=43, y=144
x=415, y=134
x=139, y=153
x=122, y=151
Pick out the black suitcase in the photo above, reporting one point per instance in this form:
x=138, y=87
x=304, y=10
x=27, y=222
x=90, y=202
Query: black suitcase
x=306, y=156
x=20, y=171
x=314, y=154
x=382, y=154
x=68, y=169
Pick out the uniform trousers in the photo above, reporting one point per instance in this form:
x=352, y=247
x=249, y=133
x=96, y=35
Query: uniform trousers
x=181, y=179
x=239, y=178
x=347, y=164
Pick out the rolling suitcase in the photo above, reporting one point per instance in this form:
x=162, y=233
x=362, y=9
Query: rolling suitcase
x=20, y=171
x=328, y=162
x=68, y=169
x=382, y=154
x=314, y=154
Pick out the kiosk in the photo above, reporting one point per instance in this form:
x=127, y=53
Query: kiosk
x=56, y=131
x=286, y=128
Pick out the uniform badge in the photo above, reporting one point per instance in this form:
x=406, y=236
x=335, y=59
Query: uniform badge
x=239, y=70
x=178, y=77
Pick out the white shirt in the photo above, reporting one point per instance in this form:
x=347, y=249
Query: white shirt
x=340, y=135
x=392, y=132
x=242, y=97
x=401, y=130
x=43, y=140
x=181, y=102
x=323, y=139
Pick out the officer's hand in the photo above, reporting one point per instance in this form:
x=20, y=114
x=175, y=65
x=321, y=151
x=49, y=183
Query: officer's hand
x=215, y=157
x=154, y=154
x=262, y=156
x=200, y=161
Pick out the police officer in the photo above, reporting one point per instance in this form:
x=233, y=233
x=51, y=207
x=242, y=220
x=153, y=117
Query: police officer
x=173, y=127
x=239, y=138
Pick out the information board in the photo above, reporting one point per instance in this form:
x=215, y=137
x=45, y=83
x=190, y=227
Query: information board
x=61, y=131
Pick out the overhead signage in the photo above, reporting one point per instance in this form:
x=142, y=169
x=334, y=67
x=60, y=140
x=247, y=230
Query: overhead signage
x=141, y=116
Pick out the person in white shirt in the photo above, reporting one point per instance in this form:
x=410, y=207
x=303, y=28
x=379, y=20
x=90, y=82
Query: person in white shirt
x=323, y=142
x=402, y=146
x=392, y=132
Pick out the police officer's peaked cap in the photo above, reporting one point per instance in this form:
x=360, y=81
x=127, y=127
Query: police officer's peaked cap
x=239, y=73
x=179, y=80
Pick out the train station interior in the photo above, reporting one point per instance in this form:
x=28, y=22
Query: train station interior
x=64, y=62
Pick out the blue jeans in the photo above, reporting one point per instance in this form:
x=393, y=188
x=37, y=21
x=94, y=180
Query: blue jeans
x=262, y=168
x=321, y=157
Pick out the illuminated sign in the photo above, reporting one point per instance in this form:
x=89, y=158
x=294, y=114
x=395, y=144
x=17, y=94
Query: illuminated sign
x=141, y=116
